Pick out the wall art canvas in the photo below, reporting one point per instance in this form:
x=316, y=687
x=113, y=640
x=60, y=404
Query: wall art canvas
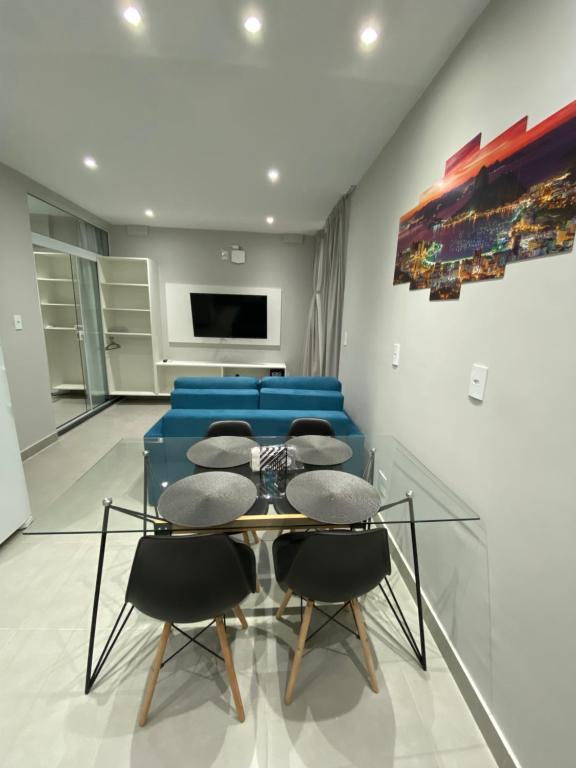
x=512, y=200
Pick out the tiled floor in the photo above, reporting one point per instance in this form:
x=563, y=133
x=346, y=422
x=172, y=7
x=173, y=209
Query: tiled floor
x=418, y=720
x=66, y=407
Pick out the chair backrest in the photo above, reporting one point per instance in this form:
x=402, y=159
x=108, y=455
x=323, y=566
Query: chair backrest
x=310, y=427
x=229, y=429
x=190, y=578
x=336, y=566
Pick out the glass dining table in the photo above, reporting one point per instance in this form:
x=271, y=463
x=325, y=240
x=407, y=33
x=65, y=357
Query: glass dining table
x=186, y=486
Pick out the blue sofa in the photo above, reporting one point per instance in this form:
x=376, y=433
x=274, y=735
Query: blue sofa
x=269, y=405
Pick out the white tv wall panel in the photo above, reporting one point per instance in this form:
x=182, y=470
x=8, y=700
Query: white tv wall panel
x=179, y=314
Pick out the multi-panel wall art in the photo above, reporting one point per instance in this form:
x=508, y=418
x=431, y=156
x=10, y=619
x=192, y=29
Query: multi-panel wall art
x=512, y=200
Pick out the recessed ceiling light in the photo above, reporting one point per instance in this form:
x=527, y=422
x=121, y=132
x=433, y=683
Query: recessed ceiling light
x=269, y=219
x=132, y=16
x=368, y=36
x=89, y=162
x=273, y=174
x=149, y=212
x=253, y=24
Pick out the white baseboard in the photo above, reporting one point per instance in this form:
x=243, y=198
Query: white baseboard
x=495, y=739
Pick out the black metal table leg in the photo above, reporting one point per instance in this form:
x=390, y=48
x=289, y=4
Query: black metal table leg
x=419, y=649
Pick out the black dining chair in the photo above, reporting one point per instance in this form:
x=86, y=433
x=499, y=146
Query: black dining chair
x=330, y=567
x=184, y=579
x=311, y=426
x=229, y=429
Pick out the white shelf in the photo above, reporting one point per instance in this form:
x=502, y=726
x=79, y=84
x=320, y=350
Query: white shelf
x=54, y=279
x=60, y=328
x=124, y=285
x=126, y=333
x=216, y=364
x=124, y=309
x=131, y=370
x=55, y=304
x=132, y=393
x=68, y=388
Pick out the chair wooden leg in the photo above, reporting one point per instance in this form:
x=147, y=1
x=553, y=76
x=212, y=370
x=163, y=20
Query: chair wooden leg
x=153, y=676
x=239, y=613
x=245, y=537
x=258, y=587
x=256, y=537
x=356, y=610
x=222, y=637
x=285, y=600
x=295, y=668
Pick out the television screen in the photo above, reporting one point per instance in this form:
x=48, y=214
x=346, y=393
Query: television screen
x=229, y=315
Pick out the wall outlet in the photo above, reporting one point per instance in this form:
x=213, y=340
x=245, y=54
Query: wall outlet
x=396, y=355
x=345, y=339
x=224, y=255
x=18, y=323
x=477, y=385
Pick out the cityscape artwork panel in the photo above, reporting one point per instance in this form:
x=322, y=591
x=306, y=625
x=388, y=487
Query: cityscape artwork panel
x=512, y=200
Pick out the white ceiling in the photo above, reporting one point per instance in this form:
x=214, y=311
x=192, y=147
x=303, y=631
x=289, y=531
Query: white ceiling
x=186, y=114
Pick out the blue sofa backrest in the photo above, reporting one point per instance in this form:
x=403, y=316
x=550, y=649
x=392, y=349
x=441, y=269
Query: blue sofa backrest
x=215, y=382
x=301, y=399
x=215, y=398
x=300, y=382
x=265, y=423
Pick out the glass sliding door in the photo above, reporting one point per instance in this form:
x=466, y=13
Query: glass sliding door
x=90, y=331
x=69, y=295
x=61, y=321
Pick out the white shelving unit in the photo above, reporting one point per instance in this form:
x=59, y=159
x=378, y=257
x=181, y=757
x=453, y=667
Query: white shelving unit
x=58, y=306
x=172, y=369
x=128, y=290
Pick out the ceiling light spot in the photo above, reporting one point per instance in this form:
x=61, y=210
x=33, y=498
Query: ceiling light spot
x=89, y=162
x=132, y=15
x=273, y=175
x=269, y=219
x=368, y=36
x=149, y=212
x=253, y=25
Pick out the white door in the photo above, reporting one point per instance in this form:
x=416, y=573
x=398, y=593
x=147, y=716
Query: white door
x=14, y=504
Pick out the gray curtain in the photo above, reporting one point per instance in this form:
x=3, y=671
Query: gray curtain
x=322, y=346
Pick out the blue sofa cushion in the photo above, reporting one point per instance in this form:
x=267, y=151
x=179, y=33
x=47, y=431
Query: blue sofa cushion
x=265, y=423
x=300, y=382
x=214, y=398
x=301, y=399
x=215, y=382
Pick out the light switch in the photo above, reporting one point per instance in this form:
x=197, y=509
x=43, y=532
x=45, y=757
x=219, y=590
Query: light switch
x=18, y=322
x=396, y=355
x=345, y=339
x=478, y=378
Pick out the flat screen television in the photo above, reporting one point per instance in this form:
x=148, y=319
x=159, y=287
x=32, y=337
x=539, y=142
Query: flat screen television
x=229, y=315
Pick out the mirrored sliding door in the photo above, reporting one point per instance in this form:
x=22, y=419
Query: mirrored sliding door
x=70, y=303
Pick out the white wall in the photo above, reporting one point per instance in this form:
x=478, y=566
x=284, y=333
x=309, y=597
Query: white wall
x=512, y=457
x=25, y=351
x=193, y=256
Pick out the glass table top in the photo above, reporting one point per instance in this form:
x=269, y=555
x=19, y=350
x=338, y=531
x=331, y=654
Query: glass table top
x=120, y=475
